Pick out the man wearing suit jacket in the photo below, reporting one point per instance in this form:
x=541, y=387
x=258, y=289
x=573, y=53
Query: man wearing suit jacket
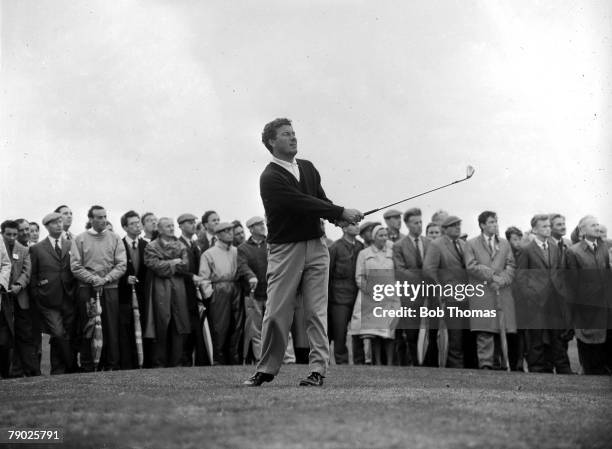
x=408, y=254
x=135, y=275
x=588, y=262
x=490, y=261
x=6, y=313
x=66, y=214
x=25, y=357
x=444, y=264
x=207, y=237
x=542, y=300
x=53, y=287
x=194, y=342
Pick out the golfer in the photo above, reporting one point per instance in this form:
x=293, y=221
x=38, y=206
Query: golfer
x=294, y=201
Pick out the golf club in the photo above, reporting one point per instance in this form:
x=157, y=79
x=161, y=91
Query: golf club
x=469, y=174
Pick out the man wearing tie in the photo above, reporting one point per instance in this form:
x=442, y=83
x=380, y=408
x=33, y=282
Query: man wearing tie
x=195, y=340
x=66, y=214
x=490, y=262
x=542, y=295
x=7, y=329
x=52, y=288
x=408, y=256
x=207, y=238
x=444, y=264
x=134, y=276
x=393, y=220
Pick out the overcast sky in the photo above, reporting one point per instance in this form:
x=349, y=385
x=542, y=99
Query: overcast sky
x=159, y=105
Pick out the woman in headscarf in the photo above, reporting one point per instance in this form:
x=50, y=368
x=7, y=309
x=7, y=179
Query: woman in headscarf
x=375, y=266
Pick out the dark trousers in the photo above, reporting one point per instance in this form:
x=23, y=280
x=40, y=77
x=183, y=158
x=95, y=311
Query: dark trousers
x=546, y=350
x=358, y=354
x=226, y=320
x=193, y=343
x=338, y=318
x=109, y=300
x=6, y=342
x=167, y=347
x=455, y=349
x=25, y=353
x=596, y=358
x=59, y=324
x=128, y=357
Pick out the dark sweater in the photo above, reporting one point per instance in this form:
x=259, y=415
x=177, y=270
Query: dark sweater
x=293, y=208
x=253, y=262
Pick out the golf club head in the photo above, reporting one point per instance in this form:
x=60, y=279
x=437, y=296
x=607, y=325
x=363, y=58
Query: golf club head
x=470, y=172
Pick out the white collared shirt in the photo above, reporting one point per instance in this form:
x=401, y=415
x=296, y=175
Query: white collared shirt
x=291, y=167
x=130, y=240
x=59, y=240
x=591, y=244
x=541, y=243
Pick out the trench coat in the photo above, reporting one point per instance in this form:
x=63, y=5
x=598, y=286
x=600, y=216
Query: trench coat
x=488, y=266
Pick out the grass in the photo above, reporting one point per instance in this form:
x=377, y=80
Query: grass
x=359, y=406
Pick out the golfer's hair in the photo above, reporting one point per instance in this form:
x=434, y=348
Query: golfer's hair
x=33, y=223
x=431, y=225
x=484, y=216
x=414, y=212
x=206, y=216
x=436, y=217
x=21, y=221
x=91, y=210
x=162, y=220
x=513, y=230
x=237, y=224
x=8, y=224
x=125, y=217
x=269, y=131
x=555, y=216
x=537, y=218
x=145, y=216
x=583, y=221
x=59, y=208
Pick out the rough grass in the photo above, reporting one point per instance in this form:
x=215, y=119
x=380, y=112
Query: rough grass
x=359, y=406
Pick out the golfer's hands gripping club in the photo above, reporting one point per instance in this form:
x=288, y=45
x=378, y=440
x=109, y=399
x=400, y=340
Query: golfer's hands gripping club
x=352, y=216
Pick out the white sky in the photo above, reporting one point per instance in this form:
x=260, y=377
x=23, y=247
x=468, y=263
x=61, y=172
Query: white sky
x=159, y=105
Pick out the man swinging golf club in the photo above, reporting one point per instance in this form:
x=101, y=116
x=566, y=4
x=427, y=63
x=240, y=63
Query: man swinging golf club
x=294, y=201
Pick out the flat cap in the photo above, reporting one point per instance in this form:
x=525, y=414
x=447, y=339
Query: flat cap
x=392, y=213
x=223, y=226
x=186, y=217
x=365, y=226
x=451, y=220
x=254, y=220
x=50, y=217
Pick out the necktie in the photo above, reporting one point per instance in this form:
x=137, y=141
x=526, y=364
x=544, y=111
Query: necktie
x=561, y=247
x=58, y=250
x=135, y=256
x=213, y=241
x=134, y=245
x=594, y=247
x=491, y=245
x=459, y=252
x=419, y=257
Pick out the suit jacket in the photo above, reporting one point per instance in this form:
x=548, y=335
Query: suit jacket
x=589, y=278
x=405, y=259
x=193, y=267
x=6, y=303
x=51, y=275
x=20, y=273
x=442, y=264
x=125, y=289
x=497, y=267
x=542, y=287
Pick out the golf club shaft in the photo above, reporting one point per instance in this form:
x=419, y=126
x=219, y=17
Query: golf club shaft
x=412, y=197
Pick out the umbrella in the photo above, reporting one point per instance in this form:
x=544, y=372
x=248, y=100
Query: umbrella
x=137, y=327
x=502, y=330
x=442, y=338
x=206, y=335
x=423, y=339
x=97, y=340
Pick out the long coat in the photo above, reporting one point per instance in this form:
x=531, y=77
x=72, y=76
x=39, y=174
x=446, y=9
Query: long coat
x=20, y=273
x=491, y=266
x=379, y=263
x=590, y=280
x=165, y=288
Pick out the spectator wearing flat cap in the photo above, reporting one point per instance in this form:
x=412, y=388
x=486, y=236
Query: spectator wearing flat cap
x=25, y=358
x=393, y=220
x=444, y=264
x=194, y=350
x=239, y=237
x=135, y=275
x=98, y=260
x=252, y=269
x=166, y=313
x=53, y=289
x=220, y=288
x=342, y=288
